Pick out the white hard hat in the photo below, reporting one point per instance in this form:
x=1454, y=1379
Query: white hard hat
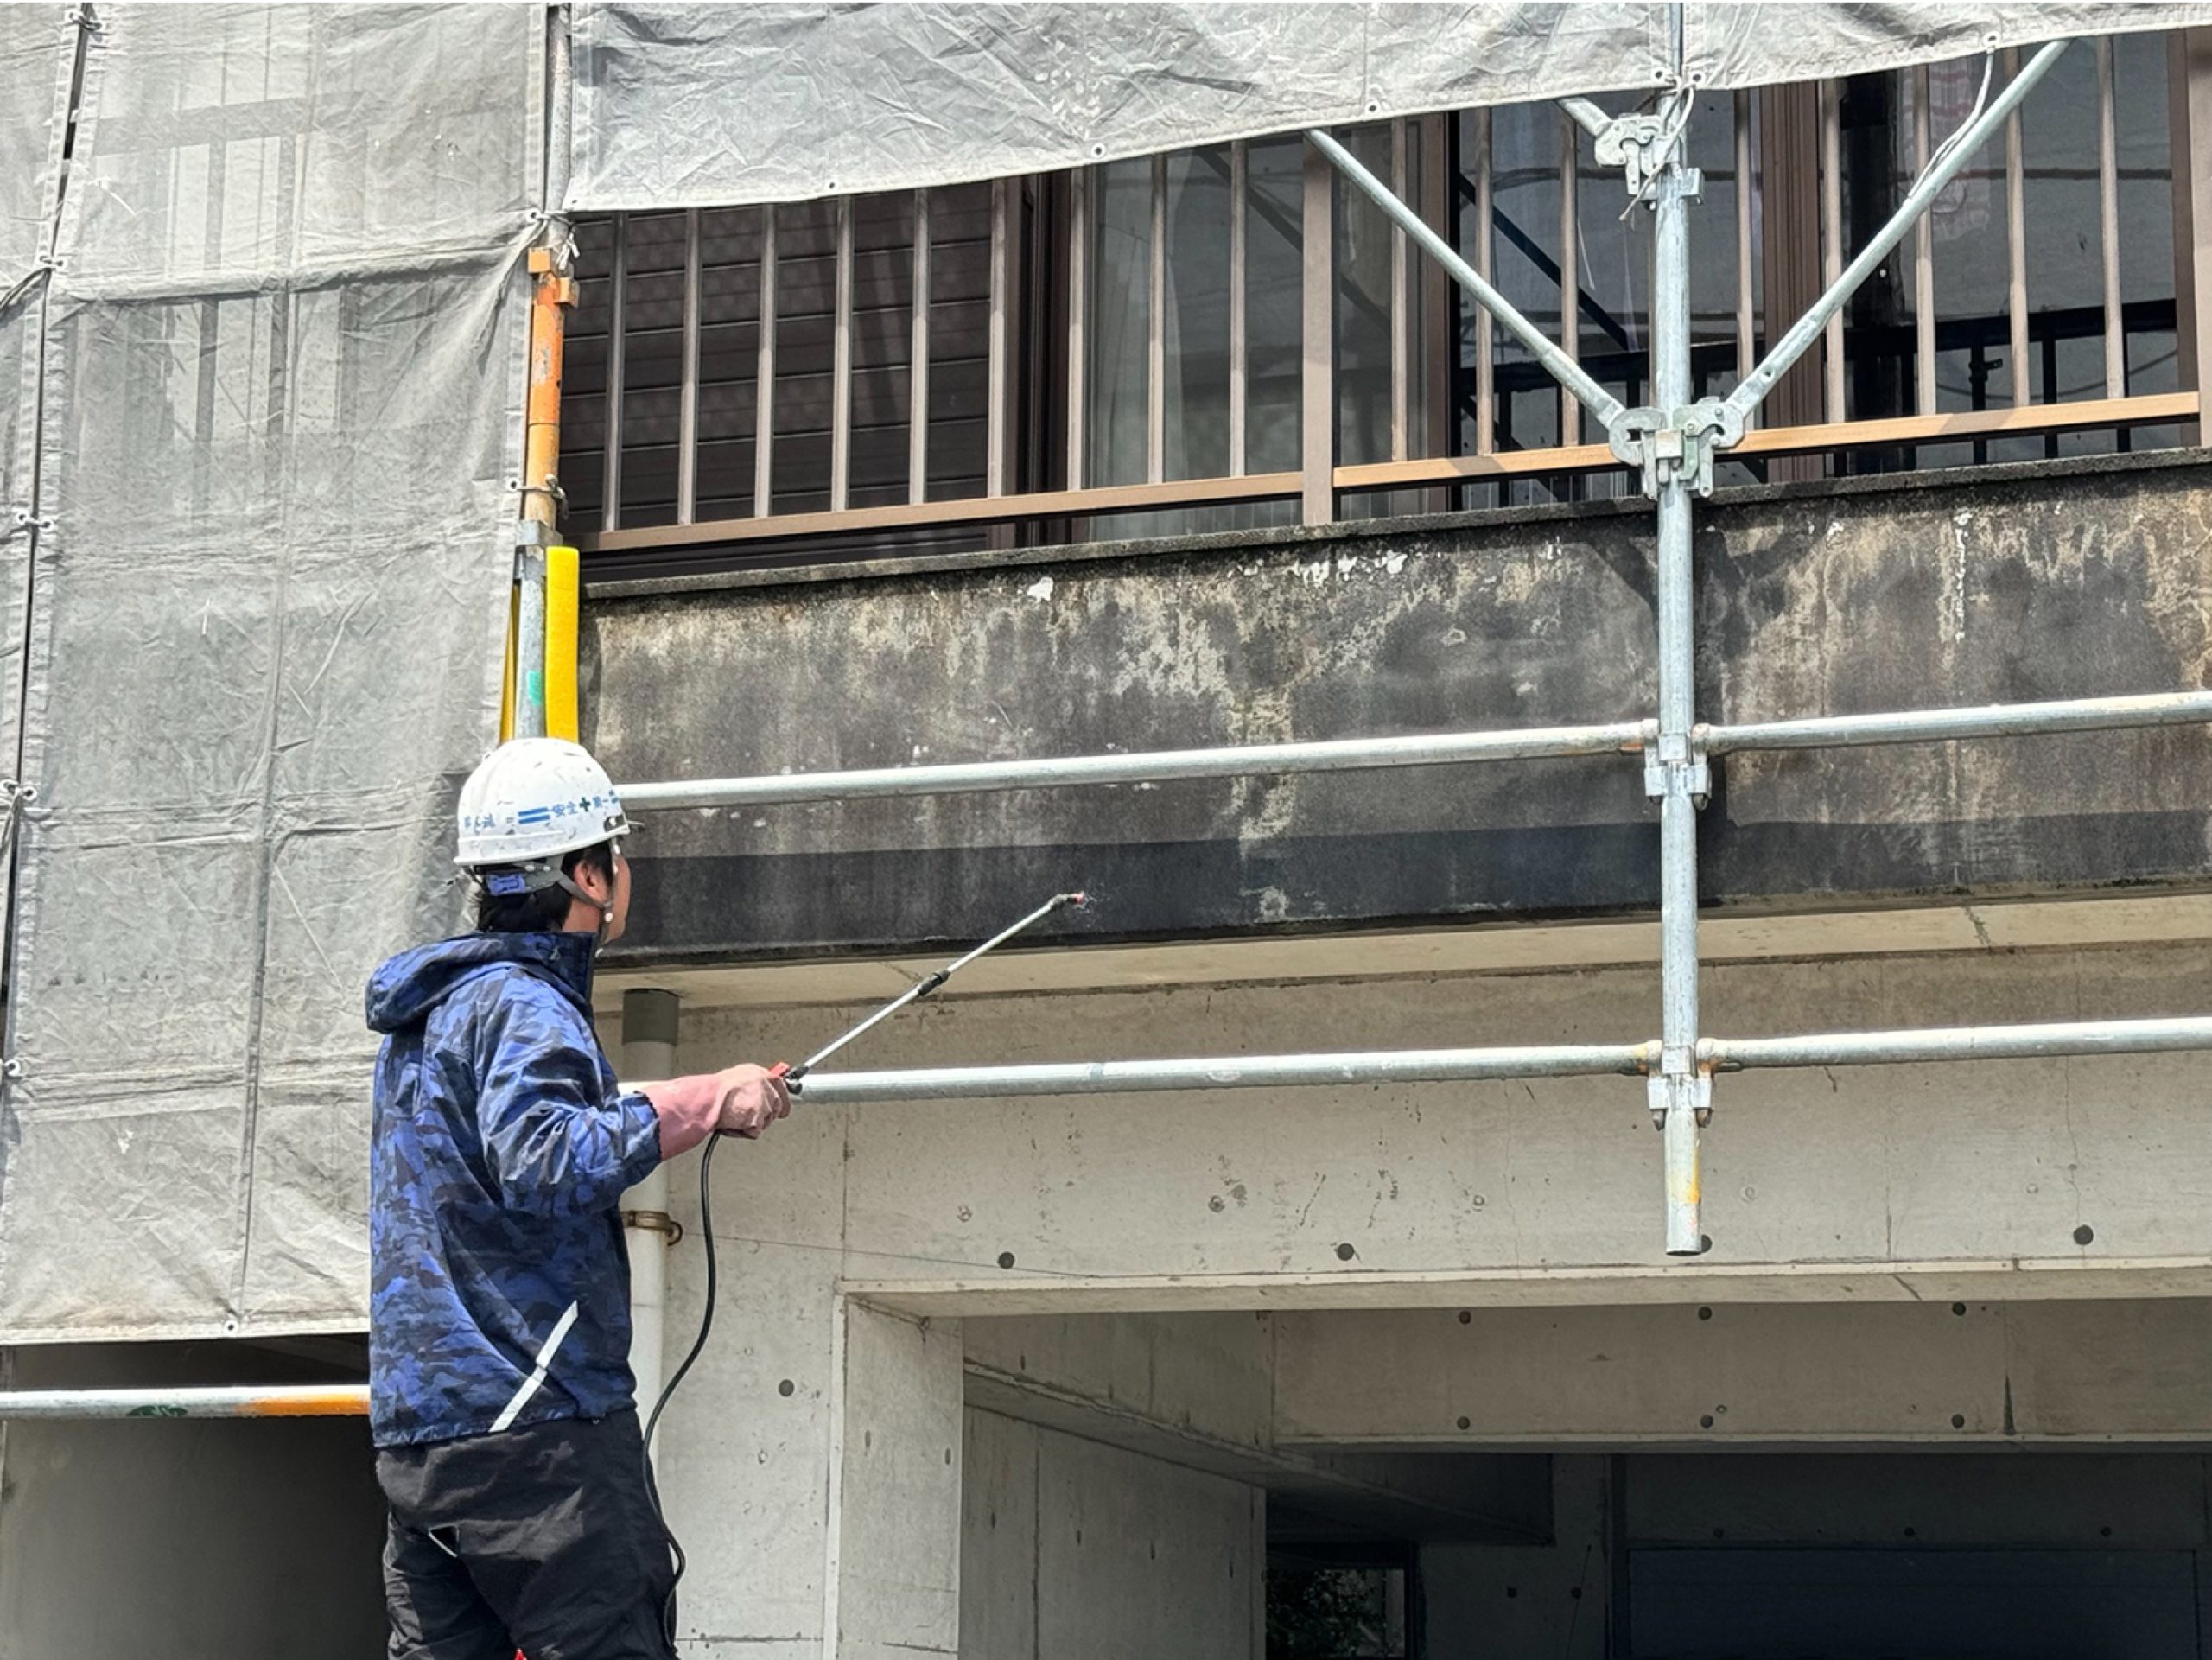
x=531, y=800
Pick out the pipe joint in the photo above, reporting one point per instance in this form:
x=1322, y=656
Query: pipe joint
x=1646, y=147
x=1675, y=446
x=1674, y=1092
x=1678, y=755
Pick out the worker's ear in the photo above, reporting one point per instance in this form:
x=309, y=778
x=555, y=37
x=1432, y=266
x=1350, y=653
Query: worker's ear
x=595, y=881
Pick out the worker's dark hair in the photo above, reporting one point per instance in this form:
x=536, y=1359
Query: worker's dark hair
x=544, y=911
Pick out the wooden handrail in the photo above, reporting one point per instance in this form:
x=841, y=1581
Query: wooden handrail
x=1388, y=476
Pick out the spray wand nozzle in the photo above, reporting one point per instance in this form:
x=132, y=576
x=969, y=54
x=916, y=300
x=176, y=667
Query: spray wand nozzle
x=922, y=988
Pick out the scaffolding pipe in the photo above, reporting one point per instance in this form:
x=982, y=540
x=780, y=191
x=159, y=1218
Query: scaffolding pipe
x=2040, y=1042
x=1230, y=1072
x=228, y=1401
x=553, y=291
x=1980, y=721
x=1146, y=766
x=1586, y=116
x=1752, y=390
x=1547, y=351
x=1437, y=749
x=1677, y=778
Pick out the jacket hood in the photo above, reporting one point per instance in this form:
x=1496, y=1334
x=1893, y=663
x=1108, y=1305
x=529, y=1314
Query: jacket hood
x=412, y=983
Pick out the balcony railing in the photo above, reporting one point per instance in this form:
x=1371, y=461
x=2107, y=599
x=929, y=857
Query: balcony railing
x=1072, y=355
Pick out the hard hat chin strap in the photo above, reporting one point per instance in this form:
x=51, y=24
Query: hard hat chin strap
x=605, y=908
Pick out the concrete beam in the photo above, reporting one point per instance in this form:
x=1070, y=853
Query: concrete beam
x=1197, y=1391
x=1950, y=1373
x=2077, y=1500
x=1998, y=925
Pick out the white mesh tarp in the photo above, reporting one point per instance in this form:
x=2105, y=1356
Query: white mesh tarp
x=705, y=105
x=1765, y=45
x=34, y=57
x=284, y=362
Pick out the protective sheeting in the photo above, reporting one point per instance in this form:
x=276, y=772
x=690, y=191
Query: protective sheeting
x=37, y=51
x=282, y=383
x=1764, y=45
x=704, y=105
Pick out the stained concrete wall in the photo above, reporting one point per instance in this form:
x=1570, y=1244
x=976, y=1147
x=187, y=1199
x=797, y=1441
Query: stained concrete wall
x=1076, y=1550
x=1926, y=589
x=196, y=1540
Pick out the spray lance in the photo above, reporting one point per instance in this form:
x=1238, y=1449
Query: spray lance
x=794, y=1076
x=921, y=988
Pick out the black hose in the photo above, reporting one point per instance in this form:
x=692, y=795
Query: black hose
x=668, y=1390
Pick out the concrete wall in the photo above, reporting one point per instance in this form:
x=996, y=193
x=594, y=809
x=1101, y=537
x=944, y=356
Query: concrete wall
x=1930, y=590
x=1553, y=1599
x=871, y=1256
x=193, y=1541
x=1076, y=1550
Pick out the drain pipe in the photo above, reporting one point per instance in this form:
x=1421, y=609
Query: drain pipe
x=649, y=1021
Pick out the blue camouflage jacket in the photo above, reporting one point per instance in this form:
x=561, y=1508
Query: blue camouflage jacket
x=500, y=1145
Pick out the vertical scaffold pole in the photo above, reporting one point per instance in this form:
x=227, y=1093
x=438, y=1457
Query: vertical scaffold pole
x=1681, y=1094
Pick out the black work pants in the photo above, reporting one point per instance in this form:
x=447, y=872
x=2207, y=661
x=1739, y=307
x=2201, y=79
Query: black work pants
x=545, y=1539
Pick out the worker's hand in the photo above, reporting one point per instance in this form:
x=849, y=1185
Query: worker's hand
x=753, y=1098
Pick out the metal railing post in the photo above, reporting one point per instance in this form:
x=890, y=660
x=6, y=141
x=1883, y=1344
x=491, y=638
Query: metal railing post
x=1317, y=380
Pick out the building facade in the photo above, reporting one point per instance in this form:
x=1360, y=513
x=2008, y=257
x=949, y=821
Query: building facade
x=1125, y=423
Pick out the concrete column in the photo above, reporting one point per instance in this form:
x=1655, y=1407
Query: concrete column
x=894, y=1578
x=811, y=1466
x=649, y=1028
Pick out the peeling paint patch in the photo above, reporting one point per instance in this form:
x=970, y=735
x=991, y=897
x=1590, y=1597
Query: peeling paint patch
x=1039, y=590
x=1962, y=522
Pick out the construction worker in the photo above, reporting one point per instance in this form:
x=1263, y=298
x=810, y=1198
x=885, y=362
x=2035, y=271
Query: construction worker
x=521, y=1509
